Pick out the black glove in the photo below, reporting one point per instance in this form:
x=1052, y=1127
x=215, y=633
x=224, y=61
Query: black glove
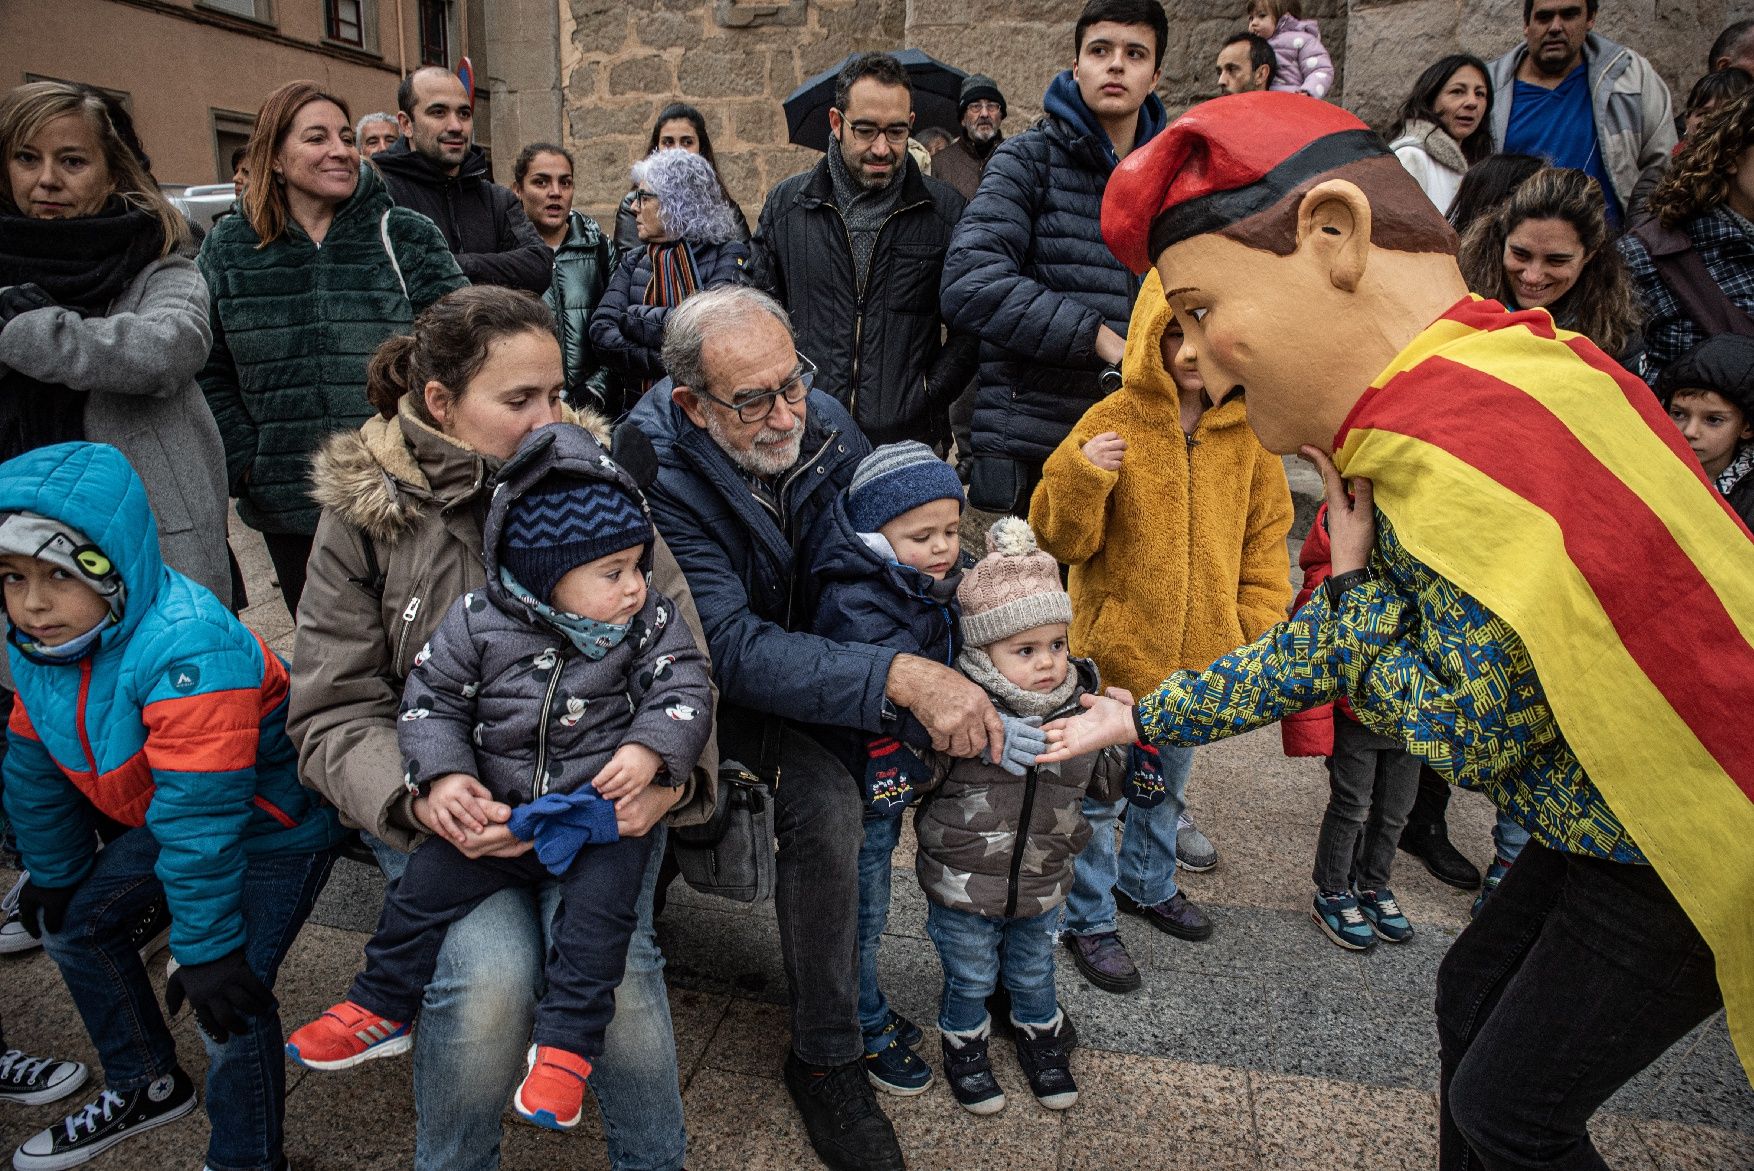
x=224, y=993
x=892, y=775
x=16, y=299
x=50, y=901
x=1144, y=785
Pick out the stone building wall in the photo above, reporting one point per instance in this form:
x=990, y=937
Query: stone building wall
x=619, y=63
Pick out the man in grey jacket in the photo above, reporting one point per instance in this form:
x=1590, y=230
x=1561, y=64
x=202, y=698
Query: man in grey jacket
x=1579, y=100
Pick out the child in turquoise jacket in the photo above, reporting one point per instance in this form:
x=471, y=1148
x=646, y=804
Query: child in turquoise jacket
x=143, y=701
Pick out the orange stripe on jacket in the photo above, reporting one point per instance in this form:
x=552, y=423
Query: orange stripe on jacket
x=214, y=732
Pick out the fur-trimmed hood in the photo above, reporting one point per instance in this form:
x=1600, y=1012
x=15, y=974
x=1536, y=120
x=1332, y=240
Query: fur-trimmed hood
x=380, y=477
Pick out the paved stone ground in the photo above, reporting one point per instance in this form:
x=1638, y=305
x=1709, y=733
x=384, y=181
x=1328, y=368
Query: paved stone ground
x=1264, y=1048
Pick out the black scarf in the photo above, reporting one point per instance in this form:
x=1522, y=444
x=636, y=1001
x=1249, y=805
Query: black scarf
x=83, y=263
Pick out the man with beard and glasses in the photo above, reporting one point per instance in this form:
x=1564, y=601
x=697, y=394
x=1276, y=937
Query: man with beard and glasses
x=436, y=170
x=1577, y=99
x=854, y=248
x=749, y=458
x=980, y=108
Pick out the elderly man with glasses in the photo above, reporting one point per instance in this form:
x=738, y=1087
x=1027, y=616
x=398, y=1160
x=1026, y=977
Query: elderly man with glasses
x=749, y=455
x=854, y=248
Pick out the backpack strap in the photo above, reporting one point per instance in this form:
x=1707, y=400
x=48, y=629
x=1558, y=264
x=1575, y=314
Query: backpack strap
x=373, y=580
x=1683, y=272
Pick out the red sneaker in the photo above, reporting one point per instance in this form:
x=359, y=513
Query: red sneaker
x=553, y=1092
x=346, y=1035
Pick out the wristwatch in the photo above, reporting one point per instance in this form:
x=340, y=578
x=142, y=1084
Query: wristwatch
x=1340, y=583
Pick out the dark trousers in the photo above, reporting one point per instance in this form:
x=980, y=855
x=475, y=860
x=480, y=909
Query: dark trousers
x=1371, y=781
x=289, y=552
x=1577, y=974
x=1430, y=805
x=819, y=820
x=587, y=952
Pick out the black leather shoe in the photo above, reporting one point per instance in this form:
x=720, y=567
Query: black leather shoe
x=1431, y=845
x=847, y=1128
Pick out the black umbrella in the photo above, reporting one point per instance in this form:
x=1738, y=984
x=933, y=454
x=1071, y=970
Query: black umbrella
x=936, y=88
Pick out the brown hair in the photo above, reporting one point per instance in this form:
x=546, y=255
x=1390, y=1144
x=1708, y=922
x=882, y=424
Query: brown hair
x=449, y=345
x=1276, y=10
x=27, y=109
x=1402, y=219
x=1699, y=178
x=1601, y=305
x=265, y=198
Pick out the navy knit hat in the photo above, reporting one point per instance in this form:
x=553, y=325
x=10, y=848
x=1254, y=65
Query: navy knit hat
x=895, y=478
x=564, y=522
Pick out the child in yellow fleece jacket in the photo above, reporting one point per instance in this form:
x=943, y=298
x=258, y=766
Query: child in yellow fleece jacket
x=1172, y=518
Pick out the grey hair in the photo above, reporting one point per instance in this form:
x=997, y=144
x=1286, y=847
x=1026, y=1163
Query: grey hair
x=380, y=116
x=691, y=200
x=724, y=307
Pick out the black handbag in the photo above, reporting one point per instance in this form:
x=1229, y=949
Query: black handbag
x=732, y=853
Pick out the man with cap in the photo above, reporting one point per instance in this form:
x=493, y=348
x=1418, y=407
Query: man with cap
x=1028, y=272
x=853, y=249
x=1534, y=589
x=980, y=109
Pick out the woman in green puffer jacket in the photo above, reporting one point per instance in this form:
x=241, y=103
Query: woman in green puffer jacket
x=318, y=270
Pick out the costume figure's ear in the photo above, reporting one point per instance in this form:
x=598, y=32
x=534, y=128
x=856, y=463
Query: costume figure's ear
x=1334, y=219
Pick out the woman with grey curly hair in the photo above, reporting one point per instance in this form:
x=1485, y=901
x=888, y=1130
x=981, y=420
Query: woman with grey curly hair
x=689, y=241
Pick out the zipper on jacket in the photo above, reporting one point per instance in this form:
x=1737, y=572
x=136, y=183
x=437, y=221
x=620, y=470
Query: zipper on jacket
x=859, y=293
x=792, y=477
x=409, y=613
x=1017, y=846
x=538, y=783
x=79, y=716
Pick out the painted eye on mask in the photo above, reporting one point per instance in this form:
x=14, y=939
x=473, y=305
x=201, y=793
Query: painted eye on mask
x=93, y=562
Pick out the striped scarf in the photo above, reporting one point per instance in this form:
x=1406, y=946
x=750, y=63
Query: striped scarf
x=1528, y=468
x=673, y=280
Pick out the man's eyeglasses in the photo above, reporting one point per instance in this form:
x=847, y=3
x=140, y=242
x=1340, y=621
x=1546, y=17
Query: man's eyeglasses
x=865, y=133
x=754, y=406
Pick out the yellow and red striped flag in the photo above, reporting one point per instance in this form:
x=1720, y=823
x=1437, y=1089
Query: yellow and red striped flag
x=1532, y=471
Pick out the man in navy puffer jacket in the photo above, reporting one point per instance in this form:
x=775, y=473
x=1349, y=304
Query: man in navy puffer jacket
x=1027, y=269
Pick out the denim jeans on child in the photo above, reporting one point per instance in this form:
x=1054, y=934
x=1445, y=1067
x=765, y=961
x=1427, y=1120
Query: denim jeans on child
x=876, y=854
x=1144, y=867
x=246, y=1076
x=1372, y=781
x=1508, y=837
x=1578, y=973
x=475, y=1025
x=977, y=952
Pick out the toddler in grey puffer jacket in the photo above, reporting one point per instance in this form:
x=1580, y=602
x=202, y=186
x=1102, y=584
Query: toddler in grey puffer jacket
x=561, y=688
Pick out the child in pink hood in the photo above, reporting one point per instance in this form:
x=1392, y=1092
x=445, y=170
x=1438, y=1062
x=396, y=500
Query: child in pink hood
x=1303, y=64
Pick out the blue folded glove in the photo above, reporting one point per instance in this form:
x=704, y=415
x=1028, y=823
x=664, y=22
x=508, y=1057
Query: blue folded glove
x=1024, y=741
x=1144, y=785
x=892, y=775
x=562, y=824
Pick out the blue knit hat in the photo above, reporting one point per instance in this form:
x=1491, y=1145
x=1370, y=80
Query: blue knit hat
x=895, y=478
x=564, y=522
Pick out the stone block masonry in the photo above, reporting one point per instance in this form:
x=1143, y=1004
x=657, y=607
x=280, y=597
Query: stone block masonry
x=622, y=61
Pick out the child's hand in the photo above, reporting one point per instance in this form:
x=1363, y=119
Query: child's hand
x=1105, y=451
x=458, y=806
x=631, y=769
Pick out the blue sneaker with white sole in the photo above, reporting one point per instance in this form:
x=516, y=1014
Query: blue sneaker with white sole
x=891, y=1065
x=1384, y=915
x=1341, y=921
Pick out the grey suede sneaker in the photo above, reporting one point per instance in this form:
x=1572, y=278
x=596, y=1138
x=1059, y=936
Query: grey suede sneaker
x=1193, y=849
x=1103, y=960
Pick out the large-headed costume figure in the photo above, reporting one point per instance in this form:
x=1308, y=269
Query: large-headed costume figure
x=1548, y=602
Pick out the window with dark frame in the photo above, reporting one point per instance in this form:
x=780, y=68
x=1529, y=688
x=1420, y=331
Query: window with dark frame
x=435, y=32
x=345, y=21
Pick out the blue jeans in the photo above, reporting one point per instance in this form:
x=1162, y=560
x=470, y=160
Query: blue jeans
x=246, y=1076
x=882, y=832
x=1144, y=868
x=978, y=952
x=475, y=1023
x=1508, y=838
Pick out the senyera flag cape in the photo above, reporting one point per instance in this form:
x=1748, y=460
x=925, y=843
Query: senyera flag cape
x=1531, y=470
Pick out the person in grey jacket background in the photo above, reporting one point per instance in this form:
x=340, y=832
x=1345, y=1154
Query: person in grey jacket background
x=103, y=322
x=1543, y=89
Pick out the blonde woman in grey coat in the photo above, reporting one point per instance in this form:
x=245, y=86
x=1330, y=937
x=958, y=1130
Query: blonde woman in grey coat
x=103, y=325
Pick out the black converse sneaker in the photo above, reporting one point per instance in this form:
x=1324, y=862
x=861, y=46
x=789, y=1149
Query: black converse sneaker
x=110, y=1119
x=151, y=931
x=32, y=1081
